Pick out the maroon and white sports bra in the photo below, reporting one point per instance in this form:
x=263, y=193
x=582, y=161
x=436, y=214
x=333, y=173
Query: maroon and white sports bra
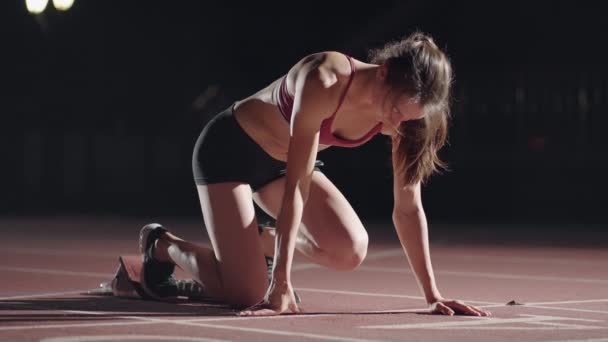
x=285, y=104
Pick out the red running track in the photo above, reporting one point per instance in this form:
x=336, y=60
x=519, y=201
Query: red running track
x=46, y=265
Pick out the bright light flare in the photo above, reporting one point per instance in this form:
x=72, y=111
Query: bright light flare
x=63, y=5
x=36, y=6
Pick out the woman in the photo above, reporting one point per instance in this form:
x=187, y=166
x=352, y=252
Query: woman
x=264, y=149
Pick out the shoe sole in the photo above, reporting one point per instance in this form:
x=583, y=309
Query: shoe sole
x=144, y=233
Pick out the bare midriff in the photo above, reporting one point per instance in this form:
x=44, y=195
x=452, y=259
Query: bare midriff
x=261, y=119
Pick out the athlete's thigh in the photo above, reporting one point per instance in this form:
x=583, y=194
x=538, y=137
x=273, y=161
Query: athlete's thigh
x=328, y=219
x=230, y=221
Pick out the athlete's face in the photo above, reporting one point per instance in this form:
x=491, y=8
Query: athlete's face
x=397, y=109
x=394, y=107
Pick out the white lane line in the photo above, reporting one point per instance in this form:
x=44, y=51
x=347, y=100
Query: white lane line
x=355, y=293
x=557, y=308
x=138, y=320
x=489, y=306
x=373, y=294
x=549, y=325
x=487, y=275
x=298, y=267
x=43, y=295
x=225, y=318
x=108, y=338
x=57, y=272
x=483, y=304
x=571, y=302
x=290, y=334
x=83, y=253
x=73, y=325
x=370, y=257
x=474, y=322
x=201, y=323
x=496, y=258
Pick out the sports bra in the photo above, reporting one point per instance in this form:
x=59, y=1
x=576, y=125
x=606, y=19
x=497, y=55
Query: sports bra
x=285, y=104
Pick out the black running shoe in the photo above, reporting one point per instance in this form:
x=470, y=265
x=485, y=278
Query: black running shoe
x=156, y=276
x=181, y=288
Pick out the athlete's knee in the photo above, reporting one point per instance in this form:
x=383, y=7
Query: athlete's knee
x=359, y=251
x=352, y=254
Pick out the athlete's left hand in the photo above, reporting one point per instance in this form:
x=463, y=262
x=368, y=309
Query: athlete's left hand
x=455, y=307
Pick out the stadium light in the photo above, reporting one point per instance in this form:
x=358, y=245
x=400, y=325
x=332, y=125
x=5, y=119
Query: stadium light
x=63, y=5
x=36, y=6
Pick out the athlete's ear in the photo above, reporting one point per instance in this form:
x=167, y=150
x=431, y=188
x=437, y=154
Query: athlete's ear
x=382, y=72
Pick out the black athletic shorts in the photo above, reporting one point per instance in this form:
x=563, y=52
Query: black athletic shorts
x=225, y=153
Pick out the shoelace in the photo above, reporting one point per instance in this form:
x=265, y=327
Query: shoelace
x=172, y=287
x=188, y=288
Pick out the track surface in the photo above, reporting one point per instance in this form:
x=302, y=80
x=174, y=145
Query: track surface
x=47, y=265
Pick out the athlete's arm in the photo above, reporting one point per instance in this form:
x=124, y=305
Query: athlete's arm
x=313, y=100
x=309, y=110
x=411, y=226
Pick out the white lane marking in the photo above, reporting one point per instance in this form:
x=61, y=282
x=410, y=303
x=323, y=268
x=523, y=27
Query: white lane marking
x=557, y=308
x=371, y=256
x=106, y=338
x=58, y=272
x=73, y=325
x=137, y=320
x=233, y=317
x=475, y=322
x=483, y=304
x=549, y=325
x=488, y=306
x=43, y=295
x=566, y=309
x=487, y=275
x=355, y=293
x=199, y=323
x=298, y=267
x=373, y=294
x=266, y=331
x=571, y=302
x=496, y=258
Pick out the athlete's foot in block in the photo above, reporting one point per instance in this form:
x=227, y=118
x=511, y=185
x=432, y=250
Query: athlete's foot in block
x=268, y=234
x=161, y=246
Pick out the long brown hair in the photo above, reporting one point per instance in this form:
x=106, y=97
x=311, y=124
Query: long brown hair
x=418, y=68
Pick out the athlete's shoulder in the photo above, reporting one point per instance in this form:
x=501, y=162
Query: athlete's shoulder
x=333, y=60
x=326, y=67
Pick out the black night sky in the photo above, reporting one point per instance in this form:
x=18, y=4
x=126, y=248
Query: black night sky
x=101, y=105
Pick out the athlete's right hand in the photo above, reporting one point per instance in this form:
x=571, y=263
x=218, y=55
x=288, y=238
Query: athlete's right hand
x=279, y=299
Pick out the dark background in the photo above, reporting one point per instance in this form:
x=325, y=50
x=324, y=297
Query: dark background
x=101, y=105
